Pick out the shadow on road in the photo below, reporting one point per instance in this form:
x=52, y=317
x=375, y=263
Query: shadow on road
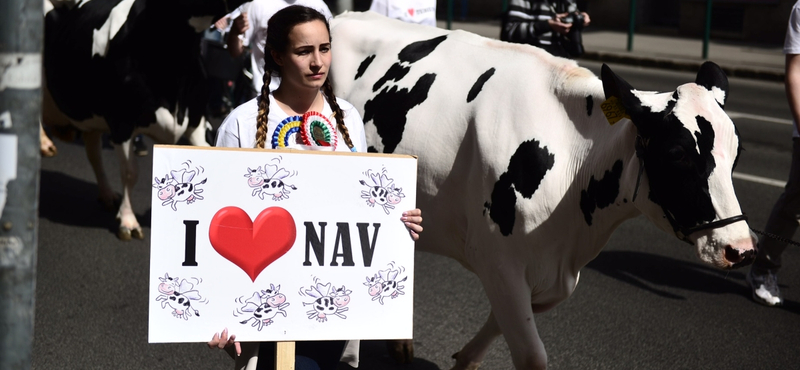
x=70, y=201
x=649, y=271
x=373, y=356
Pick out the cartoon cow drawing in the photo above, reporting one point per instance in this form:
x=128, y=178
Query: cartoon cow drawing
x=176, y=187
x=178, y=296
x=269, y=181
x=265, y=306
x=381, y=192
x=328, y=302
x=384, y=285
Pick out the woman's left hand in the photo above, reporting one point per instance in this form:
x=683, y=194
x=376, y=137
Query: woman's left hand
x=413, y=221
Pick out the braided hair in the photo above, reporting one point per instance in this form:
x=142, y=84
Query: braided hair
x=278, y=29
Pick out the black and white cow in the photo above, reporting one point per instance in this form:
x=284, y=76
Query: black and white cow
x=521, y=176
x=127, y=67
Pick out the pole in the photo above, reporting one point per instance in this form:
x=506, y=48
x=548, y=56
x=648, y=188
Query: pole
x=449, y=14
x=707, y=33
x=631, y=23
x=21, y=30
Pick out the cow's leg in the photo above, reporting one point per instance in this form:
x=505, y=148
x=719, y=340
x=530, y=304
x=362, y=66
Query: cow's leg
x=46, y=146
x=93, y=144
x=128, y=226
x=401, y=350
x=197, y=135
x=471, y=356
x=510, y=297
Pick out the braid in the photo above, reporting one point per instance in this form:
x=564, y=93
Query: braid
x=263, y=112
x=339, y=115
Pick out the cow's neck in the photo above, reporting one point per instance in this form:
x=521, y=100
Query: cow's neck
x=602, y=149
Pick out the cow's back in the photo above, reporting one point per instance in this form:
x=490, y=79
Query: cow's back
x=477, y=102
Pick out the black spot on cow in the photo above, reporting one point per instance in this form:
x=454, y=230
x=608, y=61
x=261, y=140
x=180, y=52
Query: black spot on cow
x=678, y=173
x=478, y=85
x=388, y=110
x=395, y=73
x=589, y=105
x=600, y=194
x=526, y=169
x=420, y=49
x=363, y=66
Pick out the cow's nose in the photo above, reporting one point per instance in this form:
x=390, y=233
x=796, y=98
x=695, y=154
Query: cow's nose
x=739, y=258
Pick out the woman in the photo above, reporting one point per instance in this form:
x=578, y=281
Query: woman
x=298, y=50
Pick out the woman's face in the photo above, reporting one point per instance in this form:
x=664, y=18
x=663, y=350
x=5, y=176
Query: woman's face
x=307, y=58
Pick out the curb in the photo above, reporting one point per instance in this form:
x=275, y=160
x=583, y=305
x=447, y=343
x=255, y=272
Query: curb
x=689, y=66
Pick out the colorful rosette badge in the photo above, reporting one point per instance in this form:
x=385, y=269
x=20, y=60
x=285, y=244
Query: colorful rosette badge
x=317, y=130
x=286, y=132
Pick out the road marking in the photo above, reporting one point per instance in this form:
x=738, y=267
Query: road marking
x=760, y=118
x=759, y=179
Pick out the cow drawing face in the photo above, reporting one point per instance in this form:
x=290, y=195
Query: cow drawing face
x=165, y=186
x=689, y=147
x=255, y=178
x=341, y=297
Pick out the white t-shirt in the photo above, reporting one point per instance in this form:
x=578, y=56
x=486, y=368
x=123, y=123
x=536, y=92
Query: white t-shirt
x=411, y=11
x=238, y=130
x=258, y=14
x=791, y=44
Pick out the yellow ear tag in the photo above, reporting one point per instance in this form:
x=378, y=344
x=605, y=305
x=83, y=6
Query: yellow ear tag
x=613, y=110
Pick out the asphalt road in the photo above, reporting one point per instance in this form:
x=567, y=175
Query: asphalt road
x=646, y=302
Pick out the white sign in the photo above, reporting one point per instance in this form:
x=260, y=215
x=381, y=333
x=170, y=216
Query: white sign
x=280, y=245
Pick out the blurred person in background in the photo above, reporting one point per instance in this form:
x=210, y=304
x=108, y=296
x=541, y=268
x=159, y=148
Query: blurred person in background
x=785, y=215
x=553, y=25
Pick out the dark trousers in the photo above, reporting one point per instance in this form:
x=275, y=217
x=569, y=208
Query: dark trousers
x=783, y=221
x=311, y=355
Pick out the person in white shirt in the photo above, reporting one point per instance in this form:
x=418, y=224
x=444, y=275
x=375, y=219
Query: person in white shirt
x=410, y=11
x=298, y=47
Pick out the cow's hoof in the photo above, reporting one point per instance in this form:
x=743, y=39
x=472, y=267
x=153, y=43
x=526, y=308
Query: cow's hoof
x=126, y=233
x=464, y=365
x=48, y=150
x=401, y=350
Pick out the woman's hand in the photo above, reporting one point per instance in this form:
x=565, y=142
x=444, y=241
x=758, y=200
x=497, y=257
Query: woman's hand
x=413, y=221
x=240, y=24
x=560, y=27
x=222, y=341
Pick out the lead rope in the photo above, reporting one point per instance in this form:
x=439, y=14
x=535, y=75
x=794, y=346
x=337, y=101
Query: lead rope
x=776, y=237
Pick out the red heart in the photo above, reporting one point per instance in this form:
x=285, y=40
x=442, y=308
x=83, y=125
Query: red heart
x=252, y=245
x=411, y=11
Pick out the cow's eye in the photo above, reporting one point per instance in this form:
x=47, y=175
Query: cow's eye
x=676, y=154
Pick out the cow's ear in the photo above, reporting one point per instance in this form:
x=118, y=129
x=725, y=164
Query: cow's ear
x=713, y=78
x=615, y=86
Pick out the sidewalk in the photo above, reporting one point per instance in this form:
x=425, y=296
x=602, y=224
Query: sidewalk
x=739, y=60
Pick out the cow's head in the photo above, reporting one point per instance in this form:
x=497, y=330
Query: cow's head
x=689, y=147
x=341, y=296
x=255, y=178
x=273, y=296
x=168, y=284
x=375, y=285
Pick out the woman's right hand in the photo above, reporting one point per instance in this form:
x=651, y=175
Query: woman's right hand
x=240, y=24
x=222, y=341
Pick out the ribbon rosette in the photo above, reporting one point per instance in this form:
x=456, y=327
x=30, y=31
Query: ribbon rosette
x=286, y=132
x=317, y=130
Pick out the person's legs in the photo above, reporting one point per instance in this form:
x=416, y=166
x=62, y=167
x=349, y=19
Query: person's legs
x=783, y=222
x=310, y=355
